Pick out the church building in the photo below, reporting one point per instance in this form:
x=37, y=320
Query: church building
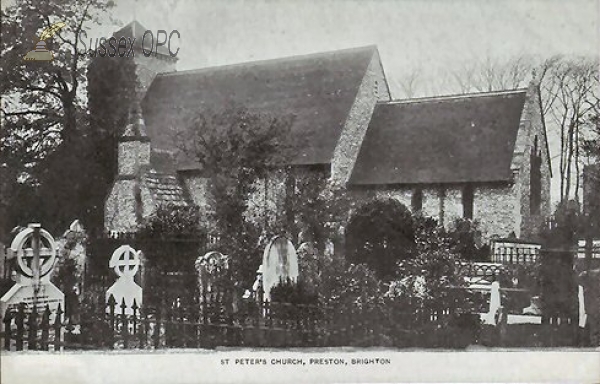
x=479, y=156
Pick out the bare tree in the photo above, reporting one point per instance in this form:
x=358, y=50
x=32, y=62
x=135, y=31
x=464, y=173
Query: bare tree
x=488, y=74
x=570, y=89
x=410, y=83
x=569, y=97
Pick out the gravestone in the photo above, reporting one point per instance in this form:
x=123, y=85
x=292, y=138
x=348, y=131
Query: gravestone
x=69, y=271
x=581, y=307
x=280, y=262
x=589, y=299
x=126, y=262
x=35, y=252
x=490, y=317
x=209, y=268
x=72, y=249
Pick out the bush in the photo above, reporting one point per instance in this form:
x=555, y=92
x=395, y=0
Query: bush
x=288, y=291
x=172, y=221
x=465, y=240
x=379, y=234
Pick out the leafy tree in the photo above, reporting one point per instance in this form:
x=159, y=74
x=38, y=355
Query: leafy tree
x=556, y=277
x=111, y=88
x=236, y=148
x=316, y=207
x=45, y=128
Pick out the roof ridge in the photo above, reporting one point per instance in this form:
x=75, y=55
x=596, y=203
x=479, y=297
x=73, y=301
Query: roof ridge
x=131, y=25
x=152, y=173
x=372, y=47
x=454, y=96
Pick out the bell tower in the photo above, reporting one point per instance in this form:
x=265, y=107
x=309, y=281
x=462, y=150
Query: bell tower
x=149, y=59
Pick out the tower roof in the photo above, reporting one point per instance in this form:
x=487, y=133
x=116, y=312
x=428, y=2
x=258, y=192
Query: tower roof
x=136, y=128
x=135, y=30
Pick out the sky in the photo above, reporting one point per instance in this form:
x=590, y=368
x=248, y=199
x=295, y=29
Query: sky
x=431, y=37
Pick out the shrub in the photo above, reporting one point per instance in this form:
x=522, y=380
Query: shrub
x=465, y=240
x=379, y=234
x=288, y=291
x=172, y=221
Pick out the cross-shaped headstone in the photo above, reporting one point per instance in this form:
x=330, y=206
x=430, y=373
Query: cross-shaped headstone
x=125, y=260
x=24, y=245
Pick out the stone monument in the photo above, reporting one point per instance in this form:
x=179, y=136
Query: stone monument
x=35, y=252
x=209, y=268
x=280, y=262
x=126, y=261
x=490, y=318
x=69, y=270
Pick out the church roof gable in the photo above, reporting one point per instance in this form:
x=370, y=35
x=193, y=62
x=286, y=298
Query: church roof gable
x=317, y=91
x=467, y=138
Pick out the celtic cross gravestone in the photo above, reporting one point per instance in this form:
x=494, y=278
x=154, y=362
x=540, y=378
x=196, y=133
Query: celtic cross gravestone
x=126, y=261
x=34, y=252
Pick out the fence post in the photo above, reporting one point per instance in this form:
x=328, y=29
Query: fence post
x=134, y=318
x=45, y=326
x=58, y=330
x=183, y=330
x=157, y=327
x=7, y=329
x=20, y=327
x=124, y=324
x=32, y=331
x=111, y=320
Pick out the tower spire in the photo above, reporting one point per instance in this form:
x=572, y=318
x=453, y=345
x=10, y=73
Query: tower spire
x=136, y=127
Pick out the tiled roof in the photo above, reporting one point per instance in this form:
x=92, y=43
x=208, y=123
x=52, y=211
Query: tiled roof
x=165, y=189
x=317, y=90
x=468, y=138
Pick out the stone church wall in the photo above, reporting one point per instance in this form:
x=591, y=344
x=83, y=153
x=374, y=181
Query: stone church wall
x=494, y=207
x=372, y=89
x=132, y=156
x=532, y=121
x=197, y=188
x=453, y=205
x=496, y=210
x=120, y=207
